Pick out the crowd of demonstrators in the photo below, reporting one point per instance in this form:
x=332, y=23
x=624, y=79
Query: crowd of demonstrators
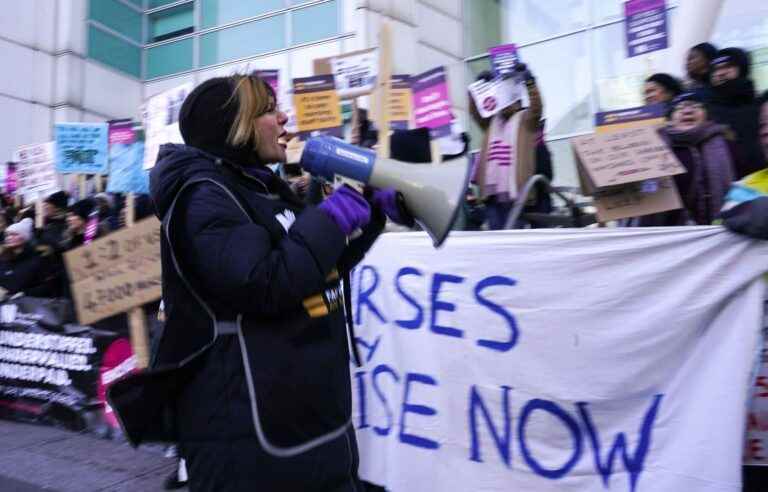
x=32, y=259
x=661, y=88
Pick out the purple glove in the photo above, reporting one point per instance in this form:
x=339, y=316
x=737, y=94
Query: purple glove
x=392, y=204
x=347, y=208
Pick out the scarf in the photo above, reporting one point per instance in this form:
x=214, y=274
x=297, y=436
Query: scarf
x=500, y=158
x=711, y=168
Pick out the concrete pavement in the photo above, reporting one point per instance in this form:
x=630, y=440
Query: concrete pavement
x=39, y=458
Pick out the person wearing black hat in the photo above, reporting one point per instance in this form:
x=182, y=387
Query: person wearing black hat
x=733, y=102
x=77, y=220
x=697, y=66
x=54, y=228
x=251, y=373
x=661, y=88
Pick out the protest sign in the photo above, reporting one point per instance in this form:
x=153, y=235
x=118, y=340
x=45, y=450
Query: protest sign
x=628, y=172
x=504, y=58
x=756, y=449
x=51, y=368
x=493, y=96
x=117, y=272
x=161, y=121
x=355, y=73
x=126, y=158
x=271, y=77
x=494, y=375
x=317, y=106
x=81, y=148
x=10, y=182
x=35, y=170
x=645, y=26
x=623, y=119
x=431, y=104
x=400, y=102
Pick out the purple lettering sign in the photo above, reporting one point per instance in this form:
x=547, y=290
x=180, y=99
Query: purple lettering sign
x=10, y=178
x=645, y=26
x=431, y=104
x=629, y=115
x=503, y=59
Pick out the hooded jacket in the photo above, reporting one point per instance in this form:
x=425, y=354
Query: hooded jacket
x=734, y=104
x=255, y=348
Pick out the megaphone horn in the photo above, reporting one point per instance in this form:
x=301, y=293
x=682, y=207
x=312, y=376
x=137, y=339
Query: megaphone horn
x=433, y=193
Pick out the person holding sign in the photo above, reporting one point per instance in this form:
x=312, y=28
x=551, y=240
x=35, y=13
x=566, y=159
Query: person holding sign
x=23, y=267
x=707, y=151
x=506, y=159
x=251, y=373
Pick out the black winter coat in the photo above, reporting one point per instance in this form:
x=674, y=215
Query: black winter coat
x=734, y=104
x=31, y=272
x=251, y=374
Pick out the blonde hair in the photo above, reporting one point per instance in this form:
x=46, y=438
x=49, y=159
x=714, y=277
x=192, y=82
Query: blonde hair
x=254, y=98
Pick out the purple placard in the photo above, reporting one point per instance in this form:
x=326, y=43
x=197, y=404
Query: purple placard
x=121, y=132
x=650, y=112
x=271, y=77
x=431, y=104
x=11, y=184
x=503, y=59
x=645, y=26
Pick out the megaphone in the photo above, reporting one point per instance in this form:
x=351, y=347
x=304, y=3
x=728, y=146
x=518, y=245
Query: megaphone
x=433, y=193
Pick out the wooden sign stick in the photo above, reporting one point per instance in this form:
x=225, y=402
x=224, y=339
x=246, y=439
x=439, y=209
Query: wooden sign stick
x=136, y=321
x=39, y=215
x=82, y=181
x=383, y=85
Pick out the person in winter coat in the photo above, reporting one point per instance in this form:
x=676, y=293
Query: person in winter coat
x=661, y=88
x=55, y=226
x=23, y=267
x=251, y=373
x=746, y=211
x=78, y=218
x=507, y=155
x=704, y=149
x=732, y=102
x=698, y=66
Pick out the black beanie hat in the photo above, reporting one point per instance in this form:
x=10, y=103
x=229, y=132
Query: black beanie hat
x=707, y=49
x=83, y=208
x=411, y=145
x=736, y=57
x=60, y=200
x=207, y=115
x=696, y=96
x=667, y=81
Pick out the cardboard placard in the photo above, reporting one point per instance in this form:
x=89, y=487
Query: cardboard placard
x=116, y=273
x=628, y=172
x=81, y=148
x=318, y=110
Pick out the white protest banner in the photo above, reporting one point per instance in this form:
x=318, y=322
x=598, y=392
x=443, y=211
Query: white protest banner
x=756, y=449
x=551, y=360
x=495, y=95
x=355, y=73
x=35, y=170
x=161, y=121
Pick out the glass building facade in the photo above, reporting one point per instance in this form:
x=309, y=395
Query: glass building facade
x=151, y=39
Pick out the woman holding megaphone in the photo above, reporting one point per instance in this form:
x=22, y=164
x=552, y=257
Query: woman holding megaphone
x=251, y=374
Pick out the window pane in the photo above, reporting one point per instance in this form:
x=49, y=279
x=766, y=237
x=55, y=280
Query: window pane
x=114, y=51
x=169, y=58
x=531, y=20
x=242, y=41
x=160, y=3
x=618, y=79
x=138, y=3
x=561, y=68
x=316, y=22
x=170, y=23
x=117, y=16
x=218, y=12
x=482, y=26
x=563, y=163
x=742, y=23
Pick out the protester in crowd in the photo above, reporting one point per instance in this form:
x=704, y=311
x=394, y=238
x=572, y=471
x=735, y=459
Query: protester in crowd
x=746, y=209
x=54, y=231
x=513, y=129
x=473, y=211
x=706, y=150
x=252, y=294
x=661, y=88
x=733, y=102
x=697, y=67
x=108, y=214
x=23, y=267
x=78, y=217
